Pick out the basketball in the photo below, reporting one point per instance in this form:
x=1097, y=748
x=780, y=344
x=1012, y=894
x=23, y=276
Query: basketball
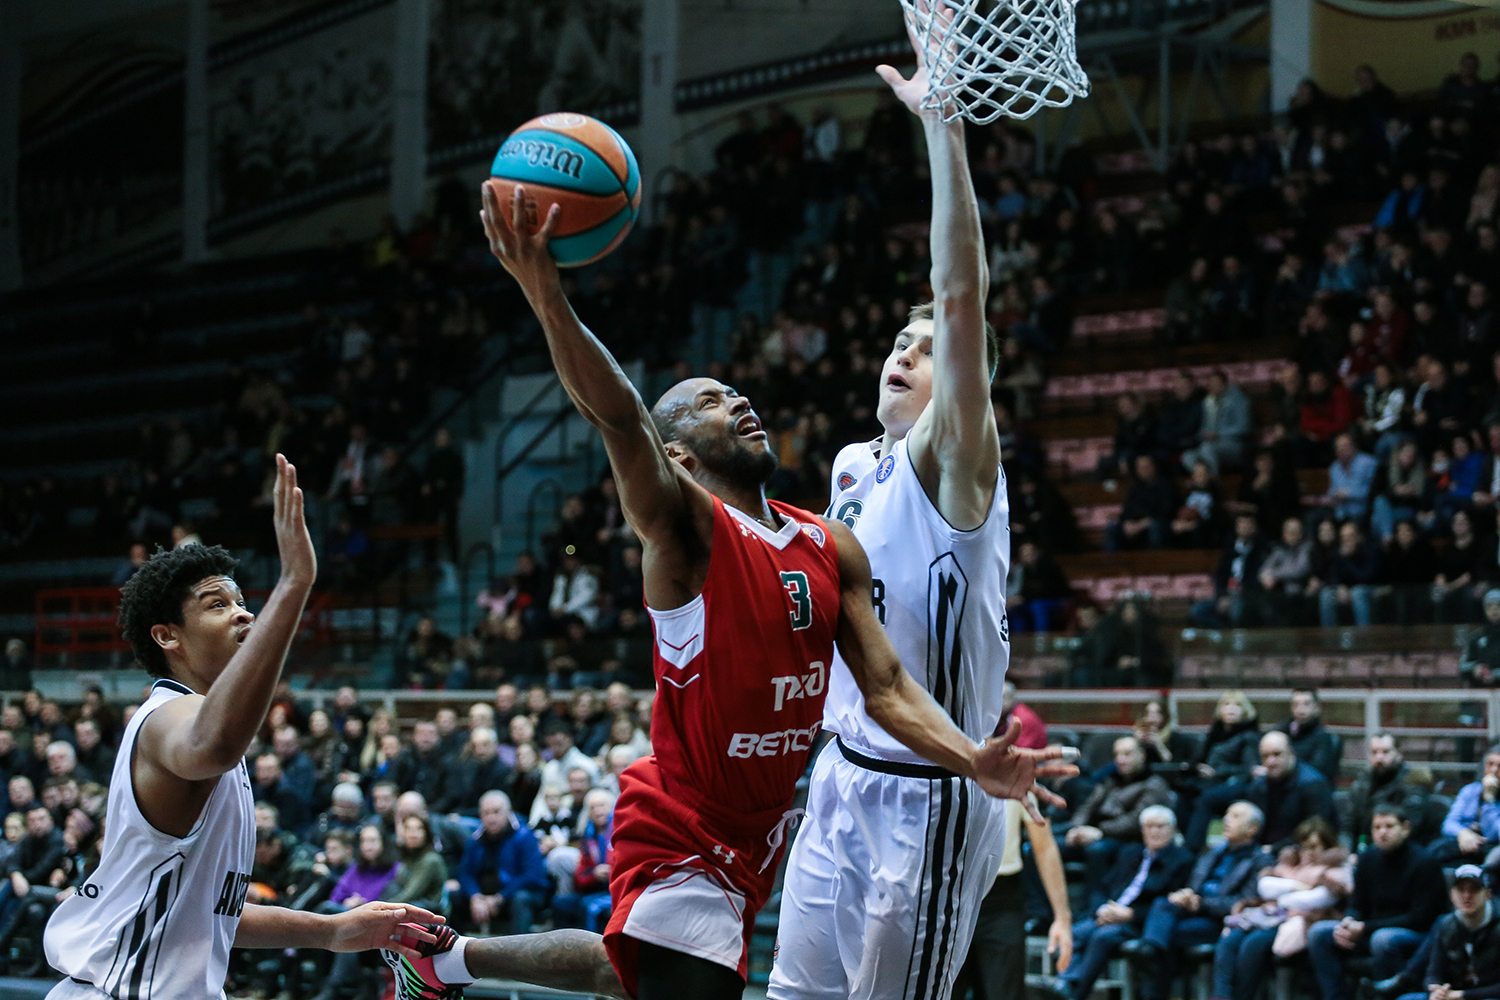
x=584, y=166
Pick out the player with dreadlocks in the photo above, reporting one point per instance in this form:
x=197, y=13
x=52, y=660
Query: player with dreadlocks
x=157, y=918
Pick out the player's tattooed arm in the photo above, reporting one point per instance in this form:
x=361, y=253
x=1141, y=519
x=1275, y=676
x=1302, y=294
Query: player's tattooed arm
x=569, y=960
x=656, y=496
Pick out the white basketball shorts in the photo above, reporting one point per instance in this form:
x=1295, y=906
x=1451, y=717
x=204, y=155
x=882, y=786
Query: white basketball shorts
x=884, y=881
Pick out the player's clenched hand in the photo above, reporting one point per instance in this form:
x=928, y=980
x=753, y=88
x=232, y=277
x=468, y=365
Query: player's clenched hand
x=524, y=254
x=1007, y=771
x=298, y=560
x=380, y=925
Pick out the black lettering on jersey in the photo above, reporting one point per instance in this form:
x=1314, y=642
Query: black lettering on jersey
x=232, y=894
x=89, y=890
x=849, y=512
x=795, y=582
x=947, y=596
x=877, y=597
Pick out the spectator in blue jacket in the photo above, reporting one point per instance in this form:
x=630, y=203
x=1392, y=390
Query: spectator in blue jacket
x=502, y=872
x=1350, y=478
x=1471, y=830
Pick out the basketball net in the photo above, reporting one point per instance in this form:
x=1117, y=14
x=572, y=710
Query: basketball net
x=987, y=58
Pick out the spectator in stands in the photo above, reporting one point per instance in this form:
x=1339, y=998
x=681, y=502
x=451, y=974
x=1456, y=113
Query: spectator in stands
x=1480, y=663
x=588, y=905
x=1124, y=649
x=1464, y=945
x=1287, y=791
x=1135, y=434
x=346, y=812
x=468, y=778
x=565, y=756
x=1143, y=873
x=1268, y=492
x=1408, y=572
x=1389, y=779
x=1403, y=494
x=376, y=863
x=1471, y=830
x=575, y=592
x=1181, y=420
x=1033, y=729
x=1437, y=406
x=1195, y=913
x=502, y=873
x=419, y=767
x=281, y=872
x=1350, y=479
x=1235, y=578
x=1453, y=595
x=451, y=739
x=1398, y=894
x=1110, y=817
x=1348, y=580
x=1312, y=742
x=1327, y=411
x=1284, y=575
x=1187, y=303
x=94, y=756
x=1224, y=429
x=1222, y=769
x=1311, y=878
x=270, y=787
x=62, y=762
x=427, y=654
x=38, y=854
x=1147, y=511
x=423, y=872
x=1163, y=742
x=1036, y=591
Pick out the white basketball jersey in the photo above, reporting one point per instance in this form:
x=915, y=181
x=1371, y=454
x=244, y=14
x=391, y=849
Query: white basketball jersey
x=157, y=918
x=939, y=592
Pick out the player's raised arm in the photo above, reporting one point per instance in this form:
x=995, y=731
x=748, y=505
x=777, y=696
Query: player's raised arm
x=653, y=491
x=194, y=739
x=954, y=445
x=905, y=709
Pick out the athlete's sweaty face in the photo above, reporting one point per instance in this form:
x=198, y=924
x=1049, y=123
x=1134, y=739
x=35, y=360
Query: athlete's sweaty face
x=718, y=428
x=906, y=379
x=215, y=623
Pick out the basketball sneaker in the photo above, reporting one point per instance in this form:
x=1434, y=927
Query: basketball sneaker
x=415, y=978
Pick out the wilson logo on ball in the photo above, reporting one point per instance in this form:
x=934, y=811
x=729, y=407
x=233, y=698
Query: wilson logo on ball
x=545, y=154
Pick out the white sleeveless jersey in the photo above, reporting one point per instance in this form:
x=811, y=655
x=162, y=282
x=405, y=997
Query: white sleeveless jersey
x=939, y=592
x=157, y=918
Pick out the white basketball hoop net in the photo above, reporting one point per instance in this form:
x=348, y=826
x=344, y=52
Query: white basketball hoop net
x=987, y=58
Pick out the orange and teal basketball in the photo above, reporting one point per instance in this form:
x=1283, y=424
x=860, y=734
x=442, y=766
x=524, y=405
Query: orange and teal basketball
x=580, y=164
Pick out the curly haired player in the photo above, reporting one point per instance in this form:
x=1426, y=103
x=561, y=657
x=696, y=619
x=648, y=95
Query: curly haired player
x=748, y=597
x=156, y=919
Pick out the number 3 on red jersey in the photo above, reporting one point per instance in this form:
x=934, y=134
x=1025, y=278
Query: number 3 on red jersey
x=795, y=582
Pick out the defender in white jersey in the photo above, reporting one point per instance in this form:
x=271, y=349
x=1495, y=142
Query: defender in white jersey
x=884, y=881
x=156, y=919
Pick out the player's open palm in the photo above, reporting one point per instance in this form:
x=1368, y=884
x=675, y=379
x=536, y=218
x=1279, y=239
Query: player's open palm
x=523, y=253
x=1007, y=771
x=914, y=91
x=298, y=560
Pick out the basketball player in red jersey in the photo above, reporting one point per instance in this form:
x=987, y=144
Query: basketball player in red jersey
x=748, y=597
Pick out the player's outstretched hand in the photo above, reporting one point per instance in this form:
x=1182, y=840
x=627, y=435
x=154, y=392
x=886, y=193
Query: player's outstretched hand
x=380, y=925
x=524, y=254
x=914, y=91
x=298, y=560
x=1007, y=771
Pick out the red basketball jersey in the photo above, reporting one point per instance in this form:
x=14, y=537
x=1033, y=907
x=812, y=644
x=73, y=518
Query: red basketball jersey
x=742, y=669
x=741, y=674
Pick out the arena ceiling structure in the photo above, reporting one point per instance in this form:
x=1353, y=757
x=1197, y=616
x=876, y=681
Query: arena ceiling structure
x=226, y=121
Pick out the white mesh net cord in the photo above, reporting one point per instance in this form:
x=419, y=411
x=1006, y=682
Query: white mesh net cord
x=987, y=58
